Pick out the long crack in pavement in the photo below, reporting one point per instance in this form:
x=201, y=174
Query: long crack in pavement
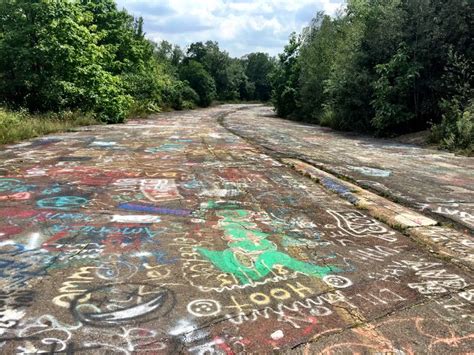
x=172, y=234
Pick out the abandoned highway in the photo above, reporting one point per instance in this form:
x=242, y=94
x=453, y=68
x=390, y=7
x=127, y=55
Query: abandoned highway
x=227, y=230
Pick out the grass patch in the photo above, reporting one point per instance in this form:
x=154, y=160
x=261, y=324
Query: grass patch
x=18, y=125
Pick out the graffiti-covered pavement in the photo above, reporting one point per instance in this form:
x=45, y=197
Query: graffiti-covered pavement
x=173, y=235
x=434, y=182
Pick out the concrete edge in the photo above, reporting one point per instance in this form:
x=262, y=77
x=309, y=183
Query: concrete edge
x=446, y=243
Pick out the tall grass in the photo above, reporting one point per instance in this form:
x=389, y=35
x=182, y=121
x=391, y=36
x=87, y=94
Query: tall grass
x=18, y=125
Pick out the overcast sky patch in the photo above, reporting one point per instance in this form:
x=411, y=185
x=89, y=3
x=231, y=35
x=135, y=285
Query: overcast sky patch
x=240, y=26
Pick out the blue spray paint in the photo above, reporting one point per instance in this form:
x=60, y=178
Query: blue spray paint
x=154, y=209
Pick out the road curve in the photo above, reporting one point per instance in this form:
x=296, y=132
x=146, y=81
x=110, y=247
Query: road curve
x=173, y=235
x=435, y=182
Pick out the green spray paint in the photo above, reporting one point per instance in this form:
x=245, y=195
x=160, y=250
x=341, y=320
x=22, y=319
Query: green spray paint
x=250, y=256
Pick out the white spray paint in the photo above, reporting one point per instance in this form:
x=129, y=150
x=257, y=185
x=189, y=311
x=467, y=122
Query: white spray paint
x=135, y=219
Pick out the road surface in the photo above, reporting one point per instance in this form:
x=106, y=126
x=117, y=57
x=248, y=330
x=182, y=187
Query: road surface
x=431, y=181
x=174, y=235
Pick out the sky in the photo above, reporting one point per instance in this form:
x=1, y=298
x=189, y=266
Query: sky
x=240, y=26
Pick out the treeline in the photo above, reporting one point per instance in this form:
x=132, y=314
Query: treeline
x=214, y=75
x=90, y=56
x=386, y=67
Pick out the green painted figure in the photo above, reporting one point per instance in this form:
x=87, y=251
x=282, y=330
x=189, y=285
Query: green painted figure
x=250, y=256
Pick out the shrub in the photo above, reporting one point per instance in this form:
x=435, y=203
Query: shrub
x=456, y=130
x=179, y=95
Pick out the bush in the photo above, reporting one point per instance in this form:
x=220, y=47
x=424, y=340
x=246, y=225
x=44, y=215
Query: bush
x=188, y=105
x=180, y=96
x=188, y=94
x=107, y=98
x=456, y=130
x=287, y=102
x=327, y=118
x=112, y=107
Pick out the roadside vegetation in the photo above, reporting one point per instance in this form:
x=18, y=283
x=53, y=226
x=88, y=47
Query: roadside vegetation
x=387, y=67
x=18, y=125
x=384, y=67
x=89, y=56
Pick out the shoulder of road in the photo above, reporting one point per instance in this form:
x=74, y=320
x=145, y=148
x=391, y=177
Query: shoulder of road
x=444, y=241
x=433, y=233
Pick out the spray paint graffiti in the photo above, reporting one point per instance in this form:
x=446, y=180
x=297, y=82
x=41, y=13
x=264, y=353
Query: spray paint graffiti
x=371, y=171
x=155, y=190
x=359, y=225
x=63, y=202
x=120, y=304
x=153, y=209
x=106, y=249
x=15, y=186
x=251, y=256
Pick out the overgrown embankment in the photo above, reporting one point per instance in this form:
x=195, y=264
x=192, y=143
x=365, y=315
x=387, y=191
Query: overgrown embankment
x=91, y=57
x=384, y=67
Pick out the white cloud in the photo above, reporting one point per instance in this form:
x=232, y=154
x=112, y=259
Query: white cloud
x=240, y=26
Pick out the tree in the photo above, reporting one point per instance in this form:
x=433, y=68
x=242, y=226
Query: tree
x=88, y=55
x=259, y=66
x=285, y=79
x=218, y=64
x=238, y=83
x=171, y=55
x=456, y=129
x=316, y=55
x=392, y=90
x=51, y=60
x=382, y=66
x=431, y=29
x=200, y=81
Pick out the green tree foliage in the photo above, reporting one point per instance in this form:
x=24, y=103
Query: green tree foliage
x=285, y=79
x=50, y=59
x=259, y=67
x=235, y=79
x=200, y=81
x=393, y=89
x=82, y=55
x=317, y=52
x=456, y=129
x=89, y=55
x=168, y=54
x=238, y=88
x=366, y=35
x=383, y=66
x=217, y=64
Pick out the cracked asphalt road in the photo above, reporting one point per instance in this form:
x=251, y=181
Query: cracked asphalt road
x=431, y=181
x=174, y=235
